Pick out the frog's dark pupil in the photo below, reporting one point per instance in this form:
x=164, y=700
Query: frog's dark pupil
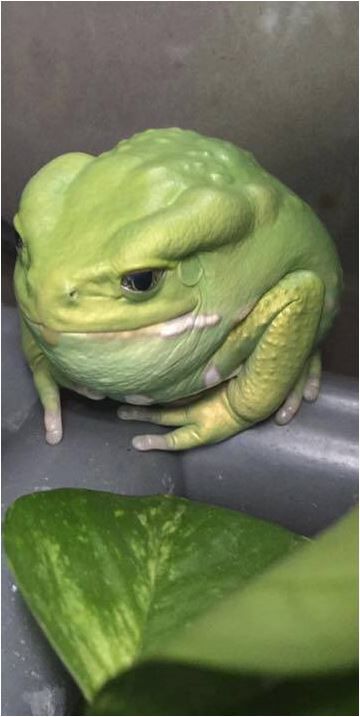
x=141, y=280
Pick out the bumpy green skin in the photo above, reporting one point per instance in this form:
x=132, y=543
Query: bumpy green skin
x=229, y=335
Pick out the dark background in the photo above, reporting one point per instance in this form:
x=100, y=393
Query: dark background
x=278, y=78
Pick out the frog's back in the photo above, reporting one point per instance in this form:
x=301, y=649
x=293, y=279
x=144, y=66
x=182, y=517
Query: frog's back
x=197, y=158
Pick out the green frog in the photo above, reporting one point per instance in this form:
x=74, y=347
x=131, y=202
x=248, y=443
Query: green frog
x=176, y=276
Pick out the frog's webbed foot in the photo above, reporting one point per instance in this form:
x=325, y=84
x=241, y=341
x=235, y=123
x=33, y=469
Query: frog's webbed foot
x=185, y=436
x=207, y=420
x=307, y=387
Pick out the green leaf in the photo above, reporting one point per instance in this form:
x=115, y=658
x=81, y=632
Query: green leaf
x=286, y=643
x=111, y=578
x=299, y=617
x=156, y=688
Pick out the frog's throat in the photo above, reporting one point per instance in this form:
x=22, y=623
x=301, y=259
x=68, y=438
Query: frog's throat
x=166, y=329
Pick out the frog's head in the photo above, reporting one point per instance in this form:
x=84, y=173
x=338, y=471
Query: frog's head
x=134, y=242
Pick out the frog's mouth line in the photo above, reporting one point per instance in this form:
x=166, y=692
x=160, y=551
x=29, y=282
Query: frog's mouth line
x=166, y=329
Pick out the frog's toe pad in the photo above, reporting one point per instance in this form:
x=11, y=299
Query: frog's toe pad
x=312, y=388
x=288, y=410
x=53, y=427
x=150, y=443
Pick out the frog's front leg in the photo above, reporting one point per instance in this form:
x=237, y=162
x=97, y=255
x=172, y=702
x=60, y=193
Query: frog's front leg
x=46, y=386
x=285, y=322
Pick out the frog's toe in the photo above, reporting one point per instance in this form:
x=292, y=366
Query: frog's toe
x=293, y=401
x=307, y=386
x=53, y=427
x=180, y=440
x=162, y=417
x=150, y=443
x=312, y=388
x=288, y=409
x=131, y=413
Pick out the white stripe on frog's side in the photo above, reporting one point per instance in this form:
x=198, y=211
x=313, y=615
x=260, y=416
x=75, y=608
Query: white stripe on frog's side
x=212, y=376
x=167, y=329
x=189, y=321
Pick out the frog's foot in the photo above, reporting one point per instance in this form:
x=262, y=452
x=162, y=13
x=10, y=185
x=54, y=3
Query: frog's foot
x=207, y=420
x=53, y=426
x=307, y=387
x=180, y=439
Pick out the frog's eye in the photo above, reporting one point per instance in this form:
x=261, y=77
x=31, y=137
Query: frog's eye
x=19, y=244
x=141, y=281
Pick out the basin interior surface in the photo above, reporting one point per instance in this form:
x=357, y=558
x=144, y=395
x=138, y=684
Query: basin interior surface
x=303, y=476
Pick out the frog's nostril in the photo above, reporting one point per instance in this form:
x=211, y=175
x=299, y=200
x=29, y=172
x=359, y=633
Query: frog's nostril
x=73, y=294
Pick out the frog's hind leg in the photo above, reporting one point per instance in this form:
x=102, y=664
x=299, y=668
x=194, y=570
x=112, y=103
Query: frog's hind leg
x=307, y=386
x=288, y=318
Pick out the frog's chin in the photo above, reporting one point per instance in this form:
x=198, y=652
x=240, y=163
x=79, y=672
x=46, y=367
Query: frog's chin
x=165, y=329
